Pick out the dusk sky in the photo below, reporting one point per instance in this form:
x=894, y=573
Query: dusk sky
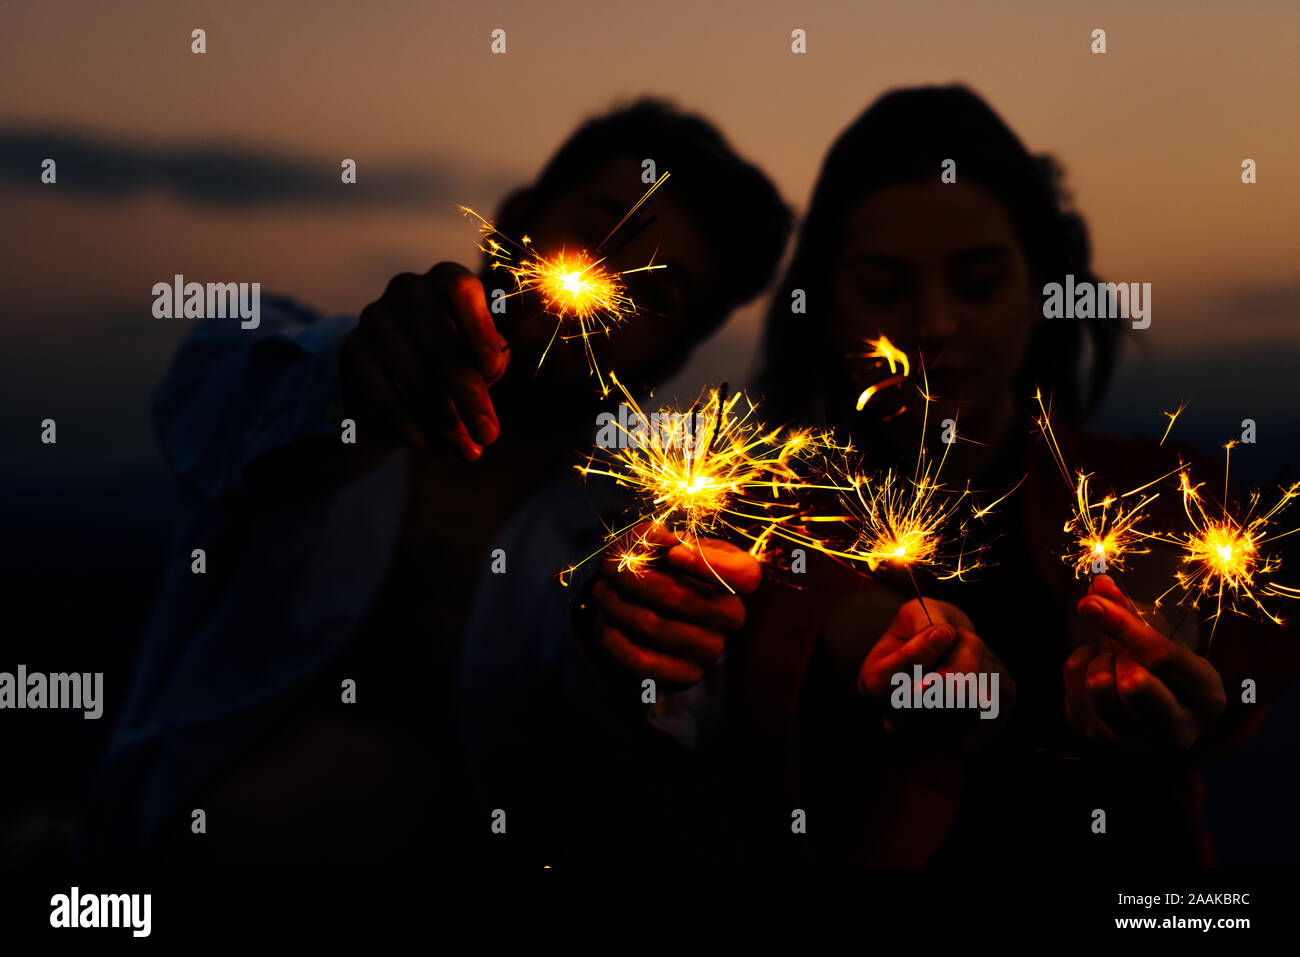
x=1152, y=135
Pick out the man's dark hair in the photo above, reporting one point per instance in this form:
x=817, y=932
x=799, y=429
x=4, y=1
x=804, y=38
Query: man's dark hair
x=904, y=137
x=730, y=200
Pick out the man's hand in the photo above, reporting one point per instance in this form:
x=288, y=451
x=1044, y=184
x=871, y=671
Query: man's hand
x=949, y=646
x=417, y=369
x=668, y=620
x=1145, y=692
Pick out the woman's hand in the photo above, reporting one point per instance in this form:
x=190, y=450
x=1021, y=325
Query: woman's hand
x=949, y=646
x=1141, y=690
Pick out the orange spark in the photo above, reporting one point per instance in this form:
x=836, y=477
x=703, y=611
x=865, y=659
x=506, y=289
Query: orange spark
x=1173, y=417
x=902, y=522
x=882, y=348
x=577, y=288
x=1104, y=533
x=714, y=469
x=1221, y=554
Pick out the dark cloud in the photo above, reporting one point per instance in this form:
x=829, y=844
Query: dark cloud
x=217, y=173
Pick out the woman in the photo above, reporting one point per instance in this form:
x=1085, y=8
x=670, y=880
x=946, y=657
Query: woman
x=1100, y=718
x=953, y=272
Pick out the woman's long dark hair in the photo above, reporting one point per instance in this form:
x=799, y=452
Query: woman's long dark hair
x=904, y=137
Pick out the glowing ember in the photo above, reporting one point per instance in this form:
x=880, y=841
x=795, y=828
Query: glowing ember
x=585, y=296
x=1221, y=554
x=882, y=348
x=712, y=470
x=1104, y=532
x=906, y=522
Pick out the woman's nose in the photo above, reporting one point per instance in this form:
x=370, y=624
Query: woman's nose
x=937, y=320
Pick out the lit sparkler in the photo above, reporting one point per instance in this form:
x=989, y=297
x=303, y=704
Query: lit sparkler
x=713, y=470
x=1103, y=532
x=907, y=523
x=1222, y=556
x=585, y=295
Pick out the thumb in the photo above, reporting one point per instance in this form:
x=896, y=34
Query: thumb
x=1121, y=624
x=1106, y=587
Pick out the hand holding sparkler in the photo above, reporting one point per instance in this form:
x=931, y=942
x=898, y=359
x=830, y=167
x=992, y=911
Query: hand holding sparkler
x=417, y=368
x=712, y=470
x=949, y=645
x=669, y=620
x=1150, y=692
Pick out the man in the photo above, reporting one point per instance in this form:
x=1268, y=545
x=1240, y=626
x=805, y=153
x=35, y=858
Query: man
x=299, y=693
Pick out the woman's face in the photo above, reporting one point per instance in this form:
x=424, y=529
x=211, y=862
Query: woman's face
x=937, y=268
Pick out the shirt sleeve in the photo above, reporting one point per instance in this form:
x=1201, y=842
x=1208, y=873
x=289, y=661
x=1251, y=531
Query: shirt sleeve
x=234, y=394
x=693, y=716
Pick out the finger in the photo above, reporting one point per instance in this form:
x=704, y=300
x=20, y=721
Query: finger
x=649, y=629
x=431, y=408
x=910, y=621
x=1087, y=721
x=877, y=673
x=1192, y=679
x=401, y=362
x=441, y=348
x=680, y=597
x=1163, y=718
x=970, y=656
x=950, y=613
x=655, y=533
x=469, y=393
x=711, y=559
x=462, y=294
x=1106, y=587
x=966, y=655
x=380, y=409
x=1115, y=620
x=418, y=313
x=1104, y=696
x=643, y=662
x=914, y=617
x=1188, y=674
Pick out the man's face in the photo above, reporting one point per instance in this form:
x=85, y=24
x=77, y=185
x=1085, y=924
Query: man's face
x=938, y=269
x=671, y=303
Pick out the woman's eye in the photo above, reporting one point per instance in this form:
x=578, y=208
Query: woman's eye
x=976, y=288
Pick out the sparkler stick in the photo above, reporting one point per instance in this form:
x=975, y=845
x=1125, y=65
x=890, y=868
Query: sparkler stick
x=917, y=588
x=578, y=288
x=1102, y=538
